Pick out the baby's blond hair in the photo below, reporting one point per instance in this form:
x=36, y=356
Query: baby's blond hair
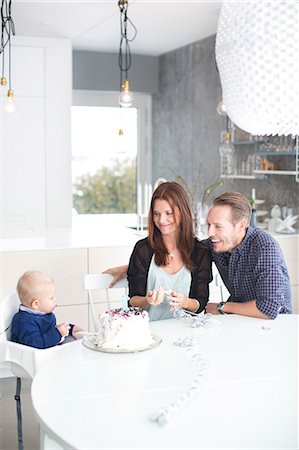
x=30, y=285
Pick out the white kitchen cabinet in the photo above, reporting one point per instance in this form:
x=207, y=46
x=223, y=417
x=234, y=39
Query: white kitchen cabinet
x=101, y=258
x=23, y=177
x=289, y=245
x=67, y=267
x=77, y=314
x=36, y=189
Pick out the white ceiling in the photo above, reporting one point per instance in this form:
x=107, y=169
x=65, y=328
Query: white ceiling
x=94, y=25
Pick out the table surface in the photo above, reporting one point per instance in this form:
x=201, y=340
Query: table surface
x=86, y=399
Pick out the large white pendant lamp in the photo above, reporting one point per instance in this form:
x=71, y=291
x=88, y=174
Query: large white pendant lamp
x=257, y=54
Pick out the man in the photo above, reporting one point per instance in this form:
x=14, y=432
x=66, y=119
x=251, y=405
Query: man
x=248, y=259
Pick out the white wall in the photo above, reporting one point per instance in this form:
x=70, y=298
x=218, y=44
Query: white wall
x=35, y=145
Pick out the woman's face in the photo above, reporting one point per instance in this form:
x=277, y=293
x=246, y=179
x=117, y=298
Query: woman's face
x=166, y=218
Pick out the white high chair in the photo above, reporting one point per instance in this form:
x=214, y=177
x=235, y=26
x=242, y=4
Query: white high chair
x=101, y=281
x=22, y=360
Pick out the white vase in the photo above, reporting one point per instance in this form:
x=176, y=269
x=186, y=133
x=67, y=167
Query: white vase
x=201, y=220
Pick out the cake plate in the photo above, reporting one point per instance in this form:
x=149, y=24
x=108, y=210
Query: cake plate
x=89, y=341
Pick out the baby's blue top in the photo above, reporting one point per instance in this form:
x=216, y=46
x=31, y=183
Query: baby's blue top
x=179, y=281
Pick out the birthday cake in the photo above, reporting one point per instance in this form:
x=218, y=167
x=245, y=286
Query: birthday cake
x=124, y=330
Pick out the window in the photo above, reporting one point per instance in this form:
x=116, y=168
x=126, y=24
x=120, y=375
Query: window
x=104, y=154
x=110, y=152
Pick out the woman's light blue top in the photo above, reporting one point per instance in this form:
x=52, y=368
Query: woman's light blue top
x=179, y=281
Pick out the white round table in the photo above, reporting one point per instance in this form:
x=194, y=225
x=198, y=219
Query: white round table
x=86, y=399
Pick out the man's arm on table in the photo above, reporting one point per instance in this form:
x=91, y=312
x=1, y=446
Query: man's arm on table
x=243, y=309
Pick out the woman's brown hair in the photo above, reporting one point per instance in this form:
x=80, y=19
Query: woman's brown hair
x=176, y=196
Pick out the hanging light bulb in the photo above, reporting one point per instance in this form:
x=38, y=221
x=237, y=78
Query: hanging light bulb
x=10, y=107
x=121, y=141
x=125, y=98
x=221, y=108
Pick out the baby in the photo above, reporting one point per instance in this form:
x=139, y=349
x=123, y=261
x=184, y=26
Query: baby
x=35, y=324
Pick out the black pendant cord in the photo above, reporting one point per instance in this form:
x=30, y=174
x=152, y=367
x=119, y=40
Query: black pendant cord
x=9, y=59
x=124, y=55
x=7, y=30
x=7, y=24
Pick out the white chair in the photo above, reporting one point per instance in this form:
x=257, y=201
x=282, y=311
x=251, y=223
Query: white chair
x=101, y=281
x=23, y=361
x=218, y=290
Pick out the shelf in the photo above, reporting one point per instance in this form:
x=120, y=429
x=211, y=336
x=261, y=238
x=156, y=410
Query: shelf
x=256, y=155
x=247, y=142
x=275, y=172
x=276, y=153
x=243, y=177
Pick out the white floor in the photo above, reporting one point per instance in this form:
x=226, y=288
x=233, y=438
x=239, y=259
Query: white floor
x=8, y=416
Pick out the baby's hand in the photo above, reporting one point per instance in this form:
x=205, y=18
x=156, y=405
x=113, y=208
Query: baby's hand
x=63, y=329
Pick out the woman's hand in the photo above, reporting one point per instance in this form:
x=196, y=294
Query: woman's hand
x=177, y=300
x=155, y=298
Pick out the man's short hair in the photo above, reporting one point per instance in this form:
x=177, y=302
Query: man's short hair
x=239, y=204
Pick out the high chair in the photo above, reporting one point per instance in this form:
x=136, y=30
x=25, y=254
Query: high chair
x=23, y=361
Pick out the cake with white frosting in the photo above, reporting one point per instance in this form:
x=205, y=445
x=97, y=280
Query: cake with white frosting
x=124, y=330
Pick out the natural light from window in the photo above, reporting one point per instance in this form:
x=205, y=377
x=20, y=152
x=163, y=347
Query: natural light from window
x=104, y=158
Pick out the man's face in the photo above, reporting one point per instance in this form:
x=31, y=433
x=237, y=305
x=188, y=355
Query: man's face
x=224, y=234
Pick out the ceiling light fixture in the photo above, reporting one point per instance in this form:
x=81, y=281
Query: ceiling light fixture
x=7, y=30
x=124, y=56
x=257, y=53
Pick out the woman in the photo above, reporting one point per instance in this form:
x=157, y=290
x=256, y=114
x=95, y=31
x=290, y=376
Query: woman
x=170, y=268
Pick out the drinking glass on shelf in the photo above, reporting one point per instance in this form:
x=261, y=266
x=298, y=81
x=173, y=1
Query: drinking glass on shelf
x=249, y=164
x=276, y=144
x=291, y=143
x=257, y=163
x=266, y=145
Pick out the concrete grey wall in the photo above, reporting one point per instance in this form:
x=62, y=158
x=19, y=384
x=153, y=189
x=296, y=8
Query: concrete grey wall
x=99, y=71
x=186, y=127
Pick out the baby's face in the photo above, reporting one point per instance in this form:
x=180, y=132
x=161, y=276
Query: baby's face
x=47, y=298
